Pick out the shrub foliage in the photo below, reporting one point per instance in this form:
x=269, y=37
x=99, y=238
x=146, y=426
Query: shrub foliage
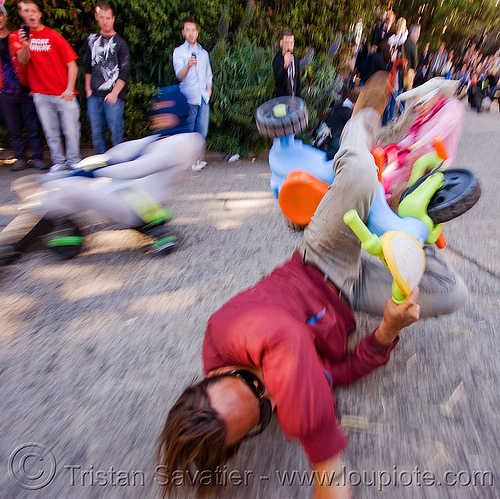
x=241, y=38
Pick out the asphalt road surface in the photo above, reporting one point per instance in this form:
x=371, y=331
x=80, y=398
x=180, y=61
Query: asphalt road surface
x=94, y=351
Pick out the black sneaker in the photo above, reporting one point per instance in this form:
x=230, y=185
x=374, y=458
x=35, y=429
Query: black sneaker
x=38, y=164
x=164, y=245
x=18, y=165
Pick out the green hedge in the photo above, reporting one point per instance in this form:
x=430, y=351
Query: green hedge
x=241, y=38
x=241, y=52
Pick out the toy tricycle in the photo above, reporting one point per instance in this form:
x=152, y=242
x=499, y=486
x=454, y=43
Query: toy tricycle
x=301, y=176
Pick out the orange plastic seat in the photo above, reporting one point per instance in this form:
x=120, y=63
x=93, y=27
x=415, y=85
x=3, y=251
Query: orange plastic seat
x=300, y=195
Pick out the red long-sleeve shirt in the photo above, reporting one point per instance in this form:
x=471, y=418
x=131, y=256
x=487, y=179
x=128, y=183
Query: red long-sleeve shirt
x=294, y=326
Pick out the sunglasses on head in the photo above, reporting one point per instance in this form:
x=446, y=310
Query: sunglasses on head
x=258, y=389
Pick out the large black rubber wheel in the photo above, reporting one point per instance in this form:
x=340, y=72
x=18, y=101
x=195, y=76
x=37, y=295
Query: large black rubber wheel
x=459, y=193
x=294, y=121
x=66, y=240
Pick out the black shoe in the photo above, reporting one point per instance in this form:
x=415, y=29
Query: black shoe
x=18, y=165
x=164, y=245
x=164, y=241
x=38, y=164
x=8, y=254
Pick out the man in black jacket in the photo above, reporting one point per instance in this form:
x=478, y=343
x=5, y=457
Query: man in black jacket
x=286, y=68
x=107, y=68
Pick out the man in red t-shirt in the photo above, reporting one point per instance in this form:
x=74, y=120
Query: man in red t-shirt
x=52, y=71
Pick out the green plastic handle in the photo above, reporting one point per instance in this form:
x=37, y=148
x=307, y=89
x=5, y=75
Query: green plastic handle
x=397, y=295
x=425, y=163
x=370, y=242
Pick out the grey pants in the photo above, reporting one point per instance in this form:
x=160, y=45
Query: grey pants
x=331, y=245
x=57, y=114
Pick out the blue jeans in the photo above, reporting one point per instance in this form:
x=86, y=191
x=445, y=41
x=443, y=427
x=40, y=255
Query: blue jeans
x=198, y=117
x=57, y=114
x=16, y=110
x=101, y=114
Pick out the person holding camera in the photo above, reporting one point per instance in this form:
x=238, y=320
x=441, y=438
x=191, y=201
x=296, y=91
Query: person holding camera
x=192, y=69
x=286, y=68
x=52, y=71
x=16, y=103
x=107, y=68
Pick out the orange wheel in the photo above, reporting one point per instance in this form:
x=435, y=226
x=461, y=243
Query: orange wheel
x=300, y=195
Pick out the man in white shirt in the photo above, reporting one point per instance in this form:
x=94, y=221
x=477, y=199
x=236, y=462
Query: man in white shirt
x=192, y=68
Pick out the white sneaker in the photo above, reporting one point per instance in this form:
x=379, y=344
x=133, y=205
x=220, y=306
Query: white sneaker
x=58, y=168
x=199, y=165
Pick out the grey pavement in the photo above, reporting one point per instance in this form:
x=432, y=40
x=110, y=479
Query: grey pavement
x=94, y=351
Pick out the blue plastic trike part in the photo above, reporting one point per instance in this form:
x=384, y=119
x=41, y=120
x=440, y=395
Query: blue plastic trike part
x=382, y=219
x=288, y=154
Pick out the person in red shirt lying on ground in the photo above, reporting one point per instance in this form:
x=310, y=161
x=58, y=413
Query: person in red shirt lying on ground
x=281, y=346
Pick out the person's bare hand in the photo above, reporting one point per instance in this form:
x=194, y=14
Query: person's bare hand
x=25, y=40
x=67, y=95
x=397, y=317
x=288, y=59
x=111, y=98
x=192, y=61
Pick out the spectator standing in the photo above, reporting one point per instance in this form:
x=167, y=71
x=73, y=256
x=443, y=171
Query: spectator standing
x=330, y=132
x=52, y=71
x=358, y=34
x=384, y=27
x=399, y=34
x=395, y=39
x=410, y=54
x=286, y=68
x=193, y=70
x=380, y=60
x=422, y=67
x=463, y=76
x=107, y=68
x=438, y=61
x=16, y=103
x=448, y=65
x=476, y=93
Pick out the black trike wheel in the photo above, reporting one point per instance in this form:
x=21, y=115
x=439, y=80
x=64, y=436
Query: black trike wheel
x=66, y=240
x=281, y=116
x=459, y=193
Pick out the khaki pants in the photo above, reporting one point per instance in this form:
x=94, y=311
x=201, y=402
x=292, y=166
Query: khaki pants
x=330, y=245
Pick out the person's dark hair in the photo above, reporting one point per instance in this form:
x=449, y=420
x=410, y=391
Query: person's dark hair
x=286, y=32
x=352, y=93
x=385, y=51
x=27, y=2
x=194, y=434
x=104, y=6
x=189, y=20
x=413, y=28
